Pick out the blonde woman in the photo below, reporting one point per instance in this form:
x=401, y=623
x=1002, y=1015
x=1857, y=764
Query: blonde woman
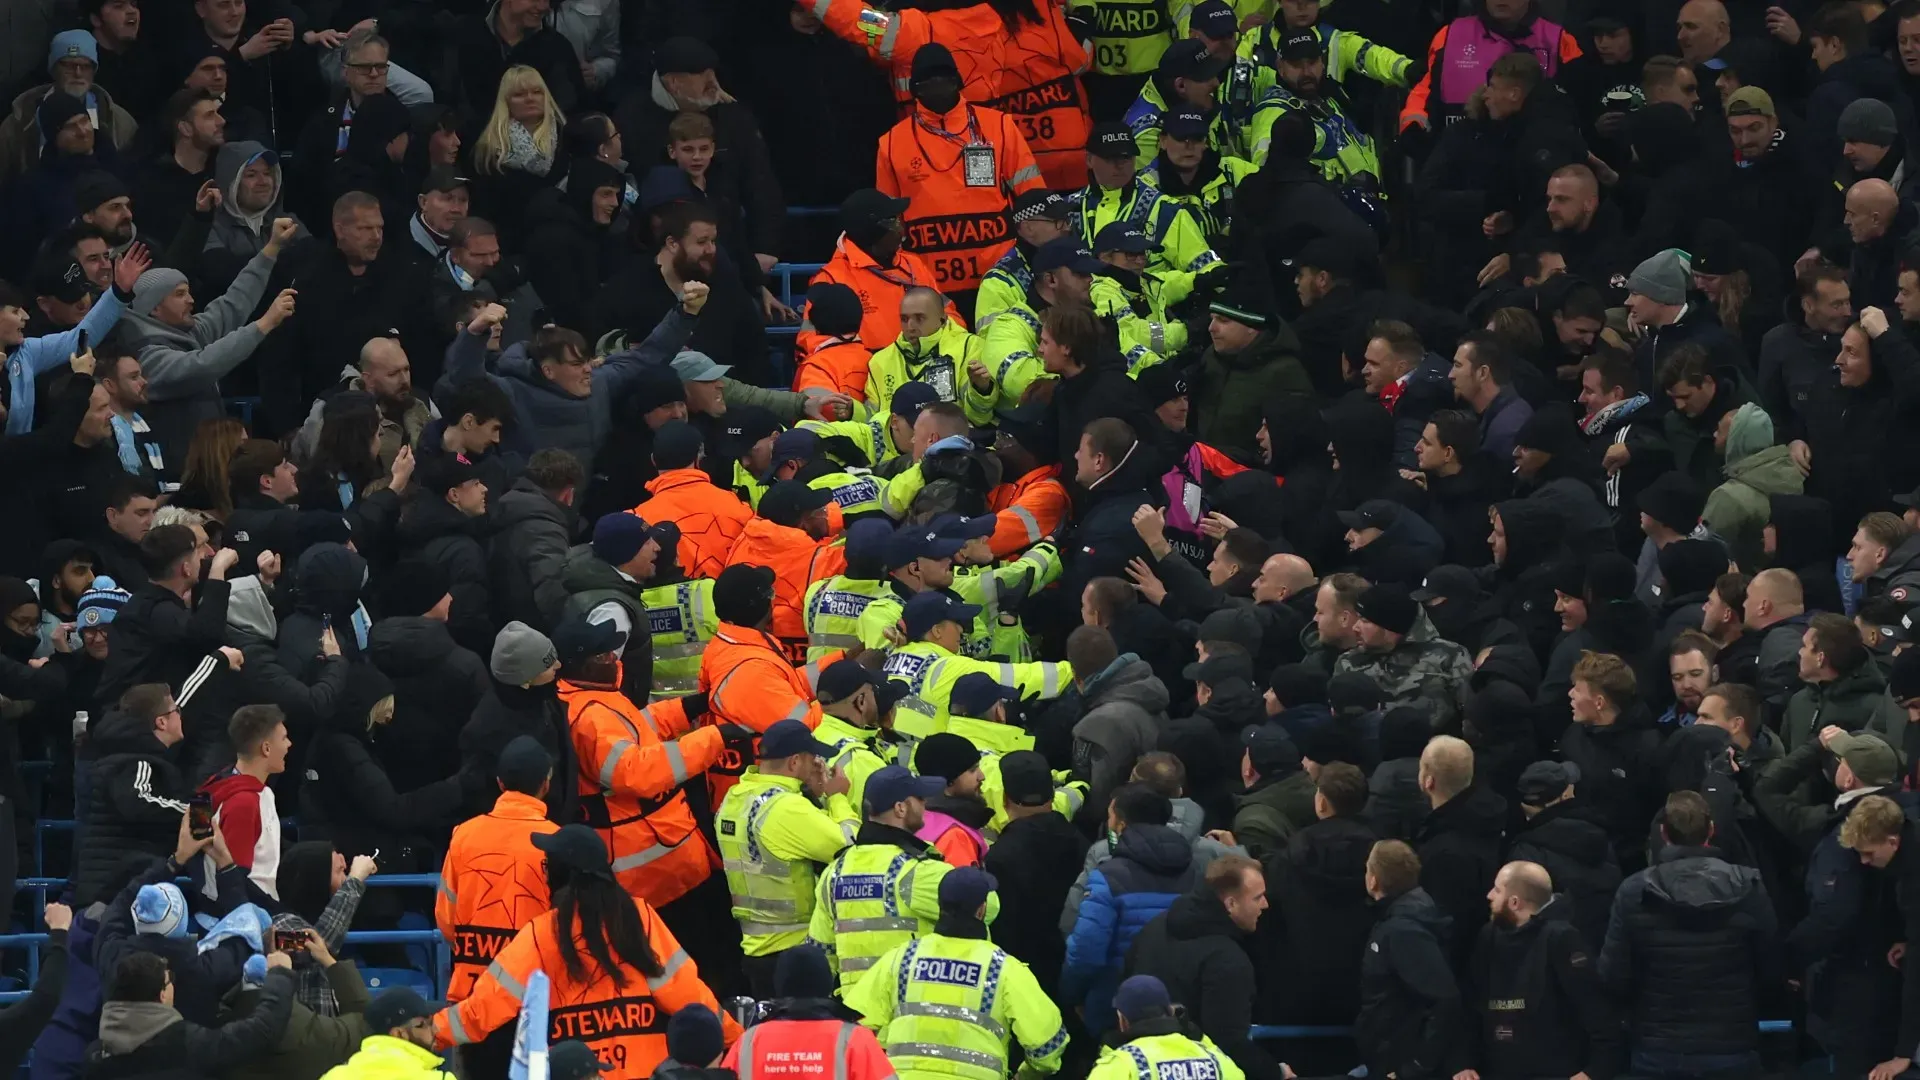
x=518, y=152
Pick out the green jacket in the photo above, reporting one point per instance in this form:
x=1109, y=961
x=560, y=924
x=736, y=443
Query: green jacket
x=1795, y=799
x=1854, y=701
x=1738, y=509
x=313, y=1043
x=1231, y=391
x=1267, y=816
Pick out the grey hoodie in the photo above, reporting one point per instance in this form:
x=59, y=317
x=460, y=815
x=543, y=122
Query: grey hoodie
x=184, y=365
x=126, y=1026
x=1126, y=709
x=240, y=234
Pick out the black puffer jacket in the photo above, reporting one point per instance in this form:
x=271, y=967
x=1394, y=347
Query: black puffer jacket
x=1317, y=920
x=1195, y=950
x=1619, y=778
x=135, y=807
x=437, y=685
x=1691, y=944
x=1410, y=1020
x=1459, y=846
x=349, y=800
x=1580, y=860
x=525, y=555
x=434, y=531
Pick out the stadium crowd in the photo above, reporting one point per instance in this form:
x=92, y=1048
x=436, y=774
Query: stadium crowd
x=1251, y=517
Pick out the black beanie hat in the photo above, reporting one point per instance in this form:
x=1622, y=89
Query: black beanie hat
x=1549, y=429
x=833, y=308
x=54, y=112
x=1674, y=501
x=1691, y=566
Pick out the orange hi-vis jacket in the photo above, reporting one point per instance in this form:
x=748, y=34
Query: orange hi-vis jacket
x=492, y=884
x=838, y=364
x=709, y=516
x=749, y=681
x=1026, y=510
x=626, y=1025
x=798, y=560
x=880, y=289
x=630, y=777
x=961, y=173
x=1032, y=73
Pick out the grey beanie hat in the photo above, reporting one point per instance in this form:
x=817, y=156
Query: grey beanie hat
x=1662, y=278
x=1869, y=120
x=153, y=287
x=521, y=654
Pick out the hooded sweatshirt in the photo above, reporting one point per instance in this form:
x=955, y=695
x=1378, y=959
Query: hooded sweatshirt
x=184, y=364
x=235, y=231
x=1756, y=470
x=1126, y=708
x=245, y=813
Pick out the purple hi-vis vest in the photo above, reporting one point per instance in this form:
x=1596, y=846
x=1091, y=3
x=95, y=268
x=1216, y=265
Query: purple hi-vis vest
x=1472, y=48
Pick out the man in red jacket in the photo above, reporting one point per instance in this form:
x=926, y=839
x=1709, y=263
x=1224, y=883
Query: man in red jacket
x=243, y=805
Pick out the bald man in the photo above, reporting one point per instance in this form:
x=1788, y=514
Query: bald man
x=1880, y=236
x=1776, y=610
x=1702, y=30
x=1533, y=987
x=1459, y=845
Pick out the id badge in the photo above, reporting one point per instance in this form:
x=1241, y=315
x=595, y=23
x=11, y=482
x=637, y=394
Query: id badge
x=1190, y=501
x=978, y=162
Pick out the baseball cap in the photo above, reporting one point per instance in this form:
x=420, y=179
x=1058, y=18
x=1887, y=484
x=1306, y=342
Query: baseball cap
x=1449, y=582
x=1323, y=253
x=1041, y=205
x=751, y=423
x=789, y=737
x=868, y=207
x=684, y=56
x=1298, y=684
x=1218, y=668
x=575, y=639
x=1123, y=236
x=910, y=397
x=786, y=502
x=1544, y=781
x=578, y=848
x=910, y=542
x=694, y=366
x=1301, y=44
x=677, y=445
x=443, y=178
x=55, y=274
x=928, y=609
x=1161, y=383
x=841, y=680
x=1064, y=253
x=575, y=1060
x=523, y=763
x=1270, y=748
x=896, y=784
x=1113, y=139
x=1025, y=778
x=975, y=695
x=1214, y=19
x=1751, y=101
x=965, y=888
x=1140, y=997
x=793, y=444
x=1184, y=124
x=1873, y=760
x=1190, y=59
x=397, y=1007
x=1911, y=498
x=962, y=527
x=1372, y=514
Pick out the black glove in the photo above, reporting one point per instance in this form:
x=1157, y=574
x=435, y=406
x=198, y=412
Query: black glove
x=695, y=706
x=1011, y=595
x=739, y=737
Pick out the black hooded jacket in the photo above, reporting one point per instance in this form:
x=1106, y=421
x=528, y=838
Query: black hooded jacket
x=508, y=712
x=327, y=584
x=436, y=531
x=1194, y=948
x=1522, y=584
x=1459, y=847
x=1619, y=777
x=1539, y=1002
x=1410, y=1017
x=437, y=685
x=1804, y=543
x=567, y=251
x=1298, y=436
x=1579, y=858
x=1457, y=509
x=1317, y=920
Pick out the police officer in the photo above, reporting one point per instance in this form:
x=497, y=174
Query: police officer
x=920, y=558
x=1148, y=336
x=603, y=583
x=772, y=835
x=855, y=703
x=1153, y=1042
x=1342, y=148
x=1115, y=193
x=1038, y=216
x=750, y=432
x=1188, y=78
x=884, y=890
x=945, y=1004
x=884, y=441
x=833, y=606
x=681, y=619
x=1063, y=273
x=987, y=714
x=797, y=456
x=929, y=663
x=1194, y=174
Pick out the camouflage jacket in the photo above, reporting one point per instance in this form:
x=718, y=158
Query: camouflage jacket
x=1424, y=670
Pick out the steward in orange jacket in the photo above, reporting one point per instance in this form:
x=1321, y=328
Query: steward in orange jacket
x=1006, y=59
x=619, y=1009
x=745, y=674
x=1035, y=505
x=791, y=536
x=491, y=884
x=838, y=360
x=867, y=259
x=960, y=166
x=630, y=776
x=709, y=516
